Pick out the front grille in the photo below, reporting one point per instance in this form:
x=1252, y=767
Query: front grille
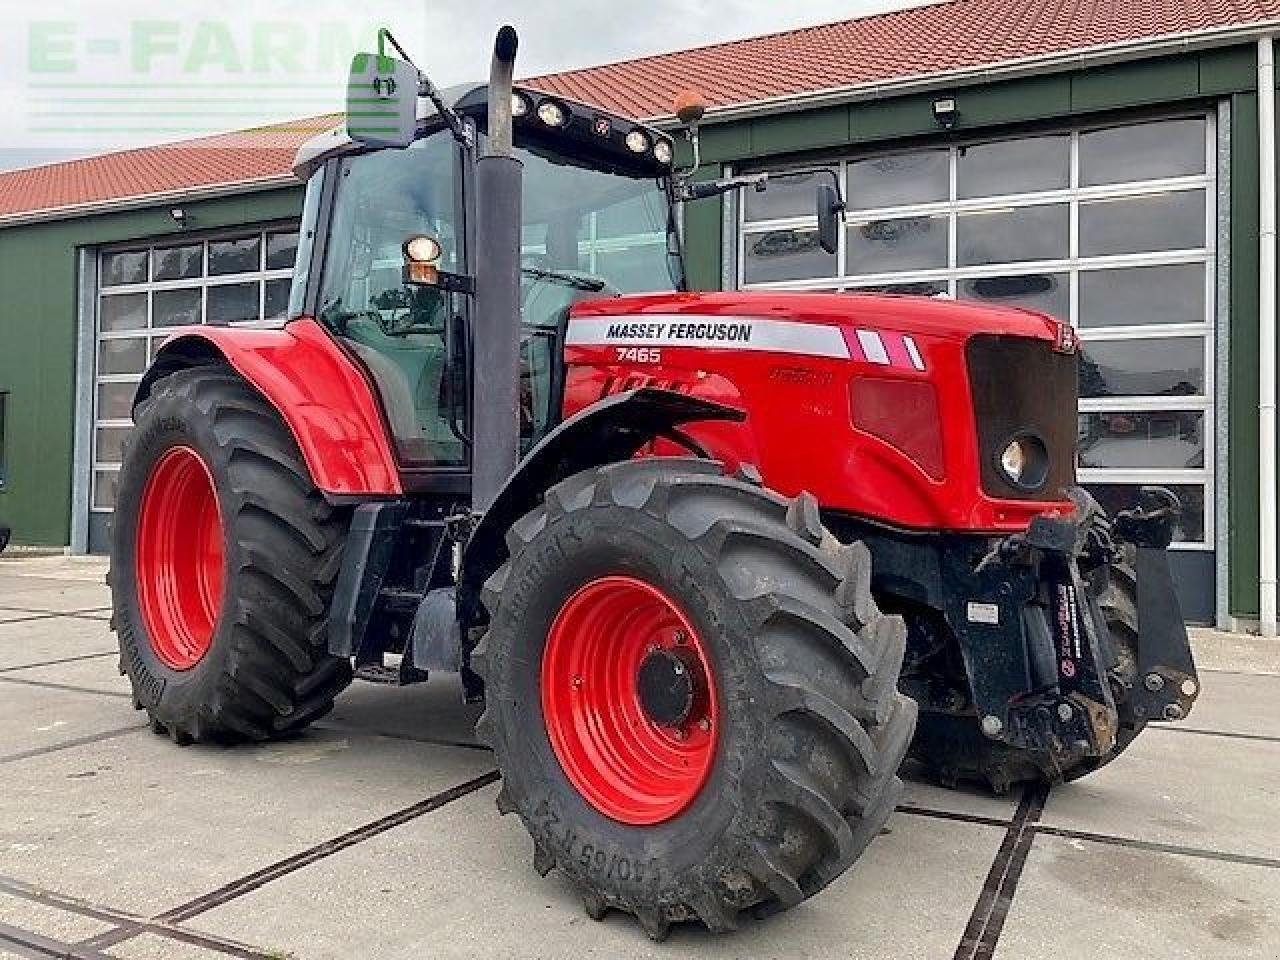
x=1019, y=386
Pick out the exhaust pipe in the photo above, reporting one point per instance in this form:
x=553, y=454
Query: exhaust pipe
x=496, y=339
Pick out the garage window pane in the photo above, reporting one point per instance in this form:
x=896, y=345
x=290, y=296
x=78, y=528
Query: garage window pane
x=1144, y=151
x=110, y=444
x=277, y=300
x=1157, y=221
x=1142, y=368
x=105, y=483
x=899, y=180
x=233, y=303
x=1047, y=292
x=282, y=248
x=786, y=196
x=891, y=246
x=127, y=311
x=1014, y=166
x=235, y=256
x=1143, y=296
x=120, y=268
x=173, y=308
x=122, y=356
x=115, y=400
x=1115, y=497
x=1013, y=235
x=1167, y=439
x=786, y=255
x=178, y=263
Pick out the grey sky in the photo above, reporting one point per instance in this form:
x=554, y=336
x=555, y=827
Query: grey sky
x=75, y=83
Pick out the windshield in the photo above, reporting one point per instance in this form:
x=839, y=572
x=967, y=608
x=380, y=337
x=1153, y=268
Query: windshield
x=607, y=231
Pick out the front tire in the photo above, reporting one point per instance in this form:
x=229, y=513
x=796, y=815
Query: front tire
x=223, y=560
x=767, y=774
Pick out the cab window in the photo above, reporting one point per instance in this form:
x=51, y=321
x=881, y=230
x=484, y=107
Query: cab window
x=398, y=330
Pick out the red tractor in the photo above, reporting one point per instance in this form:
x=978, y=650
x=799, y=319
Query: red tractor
x=700, y=555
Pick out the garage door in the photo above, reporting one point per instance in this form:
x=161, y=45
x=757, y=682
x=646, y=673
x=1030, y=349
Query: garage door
x=142, y=293
x=1110, y=228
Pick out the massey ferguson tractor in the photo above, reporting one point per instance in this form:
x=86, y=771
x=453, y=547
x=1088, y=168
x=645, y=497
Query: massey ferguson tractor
x=700, y=555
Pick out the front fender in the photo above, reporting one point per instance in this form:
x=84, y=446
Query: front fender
x=323, y=397
x=609, y=431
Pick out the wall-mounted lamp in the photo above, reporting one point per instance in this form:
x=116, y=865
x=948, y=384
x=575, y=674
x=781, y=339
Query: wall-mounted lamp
x=179, y=216
x=946, y=112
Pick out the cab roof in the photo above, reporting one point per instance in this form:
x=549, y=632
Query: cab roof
x=581, y=134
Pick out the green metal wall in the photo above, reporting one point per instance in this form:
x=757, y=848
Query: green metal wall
x=38, y=291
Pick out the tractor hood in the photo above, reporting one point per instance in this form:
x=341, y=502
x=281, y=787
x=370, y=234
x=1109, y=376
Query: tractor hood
x=925, y=316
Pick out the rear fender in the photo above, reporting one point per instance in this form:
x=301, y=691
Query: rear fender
x=609, y=431
x=320, y=392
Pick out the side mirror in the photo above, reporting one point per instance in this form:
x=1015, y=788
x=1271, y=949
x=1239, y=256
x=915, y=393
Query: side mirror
x=382, y=101
x=830, y=206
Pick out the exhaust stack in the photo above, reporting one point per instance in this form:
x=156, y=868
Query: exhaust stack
x=496, y=426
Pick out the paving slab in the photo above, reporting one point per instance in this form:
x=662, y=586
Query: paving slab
x=1082, y=899
x=141, y=825
x=458, y=883
x=51, y=638
x=37, y=718
x=963, y=799
x=41, y=594
x=432, y=710
x=98, y=674
x=1213, y=793
x=1238, y=703
x=48, y=921
x=151, y=946
x=1216, y=650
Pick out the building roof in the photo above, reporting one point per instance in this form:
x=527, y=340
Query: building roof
x=836, y=58
x=919, y=41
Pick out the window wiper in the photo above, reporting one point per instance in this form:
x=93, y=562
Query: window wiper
x=568, y=279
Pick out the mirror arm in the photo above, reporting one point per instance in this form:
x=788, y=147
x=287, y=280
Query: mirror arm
x=686, y=190
x=427, y=89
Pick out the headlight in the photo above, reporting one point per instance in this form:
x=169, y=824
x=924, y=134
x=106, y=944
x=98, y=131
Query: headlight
x=1025, y=462
x=551, y=113
x=519, y=105
x=638, y=141
x=662, y=152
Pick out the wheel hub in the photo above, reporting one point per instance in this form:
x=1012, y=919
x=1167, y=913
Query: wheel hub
x=665, y=686
x=629, y=700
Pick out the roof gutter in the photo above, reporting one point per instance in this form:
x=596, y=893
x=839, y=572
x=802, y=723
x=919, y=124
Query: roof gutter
x=988, y=73
x=184, y=195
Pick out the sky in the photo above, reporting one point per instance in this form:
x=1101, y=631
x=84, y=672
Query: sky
x=79, y=78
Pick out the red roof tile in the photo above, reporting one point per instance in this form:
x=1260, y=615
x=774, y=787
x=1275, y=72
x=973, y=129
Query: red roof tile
x=922, y=40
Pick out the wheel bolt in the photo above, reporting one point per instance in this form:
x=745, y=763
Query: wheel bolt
x=679, y=636
x=1189, y=687
x=704, y=723
x=577, y=682
x=1173, y=712
x=1153, y=682
x=992, y=725
x=1065, y=713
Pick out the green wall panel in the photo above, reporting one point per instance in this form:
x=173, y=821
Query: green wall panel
x=38, y=287
x=1134, y=84
x=1228, y=70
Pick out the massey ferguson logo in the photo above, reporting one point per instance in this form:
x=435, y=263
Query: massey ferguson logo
x=725, y=332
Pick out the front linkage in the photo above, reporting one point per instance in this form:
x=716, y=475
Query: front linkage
x=1044, y=657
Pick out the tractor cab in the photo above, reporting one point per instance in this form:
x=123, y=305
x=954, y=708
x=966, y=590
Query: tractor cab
x=391, y=276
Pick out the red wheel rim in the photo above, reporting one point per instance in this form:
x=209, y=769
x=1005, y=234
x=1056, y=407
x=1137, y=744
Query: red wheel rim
x=623, y=762
x=179, y=558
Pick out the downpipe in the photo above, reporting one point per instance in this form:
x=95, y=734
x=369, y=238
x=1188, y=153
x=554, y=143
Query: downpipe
x=1267, y=547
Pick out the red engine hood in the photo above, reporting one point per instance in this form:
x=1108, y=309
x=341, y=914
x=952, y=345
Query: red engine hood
x=922, y=315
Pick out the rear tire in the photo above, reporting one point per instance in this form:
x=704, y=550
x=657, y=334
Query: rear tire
x=259, y=667
x=809, y=726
